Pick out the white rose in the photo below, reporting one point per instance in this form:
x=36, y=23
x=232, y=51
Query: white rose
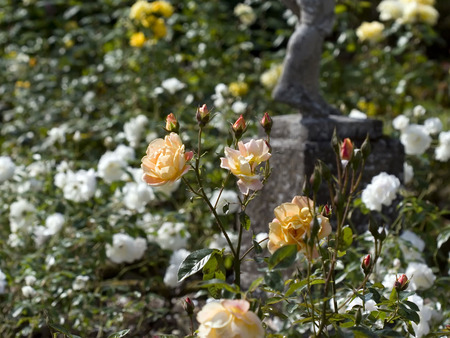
x=442, y=151
x=172, y=85
x=400, y=122
x=7, y=168
x=415, y=139
x=422, y=277
x=408, y=173
x=381, y=191
x=433, y=125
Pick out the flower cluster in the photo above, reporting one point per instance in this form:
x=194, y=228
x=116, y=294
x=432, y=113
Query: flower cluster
x=150, y=15
x=293, y=223
x=408, y=11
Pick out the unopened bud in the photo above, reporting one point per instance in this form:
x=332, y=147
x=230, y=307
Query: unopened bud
x=202, y=115
x=366, y=264
x=266, y=123
x=239, y=127
x=172, y=125
x=326, y=210
x=401, y=283
x=346, y=149
x=188, y=306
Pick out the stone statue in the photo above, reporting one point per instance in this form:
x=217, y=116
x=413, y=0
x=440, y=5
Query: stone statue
x=299, y=81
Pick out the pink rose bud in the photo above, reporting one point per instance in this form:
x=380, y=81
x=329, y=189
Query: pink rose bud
x=366, y=264
x=188, y=306
x=172, y=125
x=239, y=127
x=266, y=123
x=346, y=149
x=401, y=283
x=202, y=115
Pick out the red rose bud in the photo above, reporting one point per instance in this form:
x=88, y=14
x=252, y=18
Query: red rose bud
x=188, y=306
x=366, y=264
x=346, y=149
x=266, y=123
x=172, y=124
x=239, y=127
x=202, y=115
x=326, y=210
x=401, y=283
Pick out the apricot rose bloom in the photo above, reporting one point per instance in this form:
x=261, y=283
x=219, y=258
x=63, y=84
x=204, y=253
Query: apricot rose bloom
x=243, y=162
x=165, y=161
x=229, y=318
x=292, y=222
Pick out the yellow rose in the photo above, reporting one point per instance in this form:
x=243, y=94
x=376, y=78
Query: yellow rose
x=390, y=9
x=137, y=40
x=159, y=28
x=230, y=319
x=161, y=7
x=139, y=10
x=415, y=12
x=238, y=88
x=165, y=161
x=292, y=222
x=243, y=162
x=270, y=77
x=371, y=31
x=422, y=2
x=245, y=14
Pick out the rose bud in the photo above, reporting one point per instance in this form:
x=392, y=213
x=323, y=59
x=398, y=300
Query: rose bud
x=188, y=306
x=172, y=125
x=346, y=149
x=366, y=264
x=239, y=127
x=401, y=283
x=202, y=115
x=266, y=123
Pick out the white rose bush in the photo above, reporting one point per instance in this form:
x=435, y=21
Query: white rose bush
x=135, y=137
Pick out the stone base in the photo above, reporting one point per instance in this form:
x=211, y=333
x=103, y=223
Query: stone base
x=296, y=146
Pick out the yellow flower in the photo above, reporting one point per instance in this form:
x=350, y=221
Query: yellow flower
x=292, y=222
x=422, y=2
x=371, y=31
x=165, y=161
x=161, y=7
x=270, y=77
x=137, y=40
x=245, y=14
x=23, y=84
x=238, y=88
x=243, y=162
x=390, y=9
x=159, y=28
x=415, y=12
x=229, y=318
x=139, y=10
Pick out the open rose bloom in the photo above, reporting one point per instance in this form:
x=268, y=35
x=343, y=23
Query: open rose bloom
x=229, y=318
x=165, y=161
x=243, y=162
x=292, y=222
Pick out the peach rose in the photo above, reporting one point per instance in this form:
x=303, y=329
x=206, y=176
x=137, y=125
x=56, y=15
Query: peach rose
x=229, y=318
x=292, y=222
x=243, y=162
x=165, y=161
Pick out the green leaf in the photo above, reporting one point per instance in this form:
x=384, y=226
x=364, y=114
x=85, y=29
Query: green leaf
x=295, y=286
x=274, y=280
x=284, y=257
x=119, y=334
x=194, y=263
x=62, y=330
x=245, y=220
x=219, y=284
x=411, y=305
x=255, y=284
x=214, y=269
x=346, y=238
x=340, y=9
x=443, y=236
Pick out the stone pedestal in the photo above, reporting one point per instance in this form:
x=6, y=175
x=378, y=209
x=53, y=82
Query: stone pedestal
x=298, y=143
